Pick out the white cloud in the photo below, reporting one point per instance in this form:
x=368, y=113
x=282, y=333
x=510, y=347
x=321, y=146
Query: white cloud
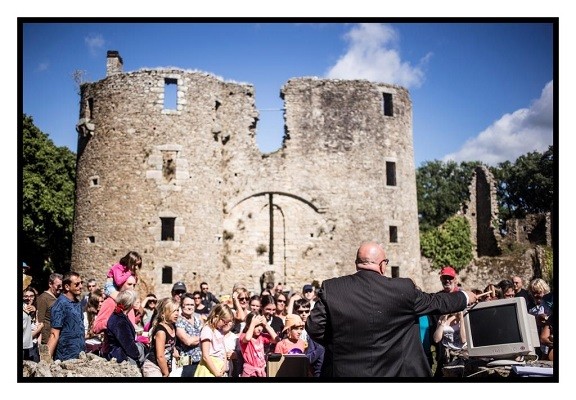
x=523, y=131
x=95, y=43
x=371, y=55
x=43, y=66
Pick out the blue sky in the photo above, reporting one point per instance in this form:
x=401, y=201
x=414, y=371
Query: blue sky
x=480, y=90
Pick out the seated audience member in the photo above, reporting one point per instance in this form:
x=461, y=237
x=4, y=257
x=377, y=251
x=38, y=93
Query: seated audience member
x=521, y=292
x=121, y=332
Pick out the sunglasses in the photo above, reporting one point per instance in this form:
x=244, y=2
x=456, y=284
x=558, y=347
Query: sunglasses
x=196, y=298
x=242, y=299
x=280, y=301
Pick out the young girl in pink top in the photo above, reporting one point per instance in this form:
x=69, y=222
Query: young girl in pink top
x=252, y=341
x=292, y=344
x=119, y=273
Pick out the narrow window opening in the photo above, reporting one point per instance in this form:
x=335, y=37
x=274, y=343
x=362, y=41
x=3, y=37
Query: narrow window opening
x=91, y=239
x=167, y=274
x=395, y=272
x=94, y=181
x=90, y=110
x=167, y=229
x=393, y=234
x=170, y=93
x=387, y=104
x=390, y=173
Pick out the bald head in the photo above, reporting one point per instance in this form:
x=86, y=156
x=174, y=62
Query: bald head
x=370, y=256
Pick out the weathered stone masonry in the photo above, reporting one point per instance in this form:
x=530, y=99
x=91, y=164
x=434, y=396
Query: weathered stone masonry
x=189, y=189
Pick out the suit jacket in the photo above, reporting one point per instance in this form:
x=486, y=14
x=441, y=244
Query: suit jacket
x=368, y=325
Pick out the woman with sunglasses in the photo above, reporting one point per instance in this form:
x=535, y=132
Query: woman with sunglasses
x=281, y=311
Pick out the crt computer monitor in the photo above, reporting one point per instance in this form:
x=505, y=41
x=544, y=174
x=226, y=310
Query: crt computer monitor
x=501, y=329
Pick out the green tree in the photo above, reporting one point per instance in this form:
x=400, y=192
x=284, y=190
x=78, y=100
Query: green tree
x=526, y=186
x=448, y=244
x=442, y=187
x=48, y=179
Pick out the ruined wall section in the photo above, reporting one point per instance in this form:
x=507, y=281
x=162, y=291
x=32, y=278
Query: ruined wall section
x=328, y=186
x=481, y=210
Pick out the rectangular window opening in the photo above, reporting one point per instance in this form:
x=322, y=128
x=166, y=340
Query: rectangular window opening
x=170, y=93
x=387, y=104
x=167, y=274
x=393, y=234
x=167, y=228
x=390, y=173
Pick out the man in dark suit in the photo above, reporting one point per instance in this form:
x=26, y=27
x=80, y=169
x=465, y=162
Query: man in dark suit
x=368, y=323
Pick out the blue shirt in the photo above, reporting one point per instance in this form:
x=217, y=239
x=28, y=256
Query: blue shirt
x=67, y=316
x=195, y=352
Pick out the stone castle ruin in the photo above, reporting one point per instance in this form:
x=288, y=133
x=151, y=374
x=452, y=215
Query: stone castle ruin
x=185, y=185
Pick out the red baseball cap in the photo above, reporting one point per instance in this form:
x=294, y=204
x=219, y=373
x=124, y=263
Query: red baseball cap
x=448, y=271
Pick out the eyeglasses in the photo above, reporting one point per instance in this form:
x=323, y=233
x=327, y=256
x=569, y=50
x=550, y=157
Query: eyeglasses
x=204, y=288
x=280, y=301
x=179, y=293
x=385, y=261
x=242, y=299
x=76, y=284
x=29, y=297
x=303, y=311
x=227, y=322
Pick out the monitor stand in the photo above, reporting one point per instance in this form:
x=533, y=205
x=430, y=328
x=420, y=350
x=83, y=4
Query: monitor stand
x=504, y=363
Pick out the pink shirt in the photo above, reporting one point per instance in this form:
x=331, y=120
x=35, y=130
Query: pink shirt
x=253, y=351
x=105, y=312
x=285, y=345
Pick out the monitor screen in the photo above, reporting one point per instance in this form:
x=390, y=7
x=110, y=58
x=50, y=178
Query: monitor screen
x=486, y=333
x=500, y=329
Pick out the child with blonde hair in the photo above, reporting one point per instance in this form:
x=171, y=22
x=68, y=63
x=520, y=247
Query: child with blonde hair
x=212, y=342
x=162, y=339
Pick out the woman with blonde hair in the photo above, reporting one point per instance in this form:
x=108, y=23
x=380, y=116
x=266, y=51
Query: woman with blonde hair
x=212, y=342
x=162, y=339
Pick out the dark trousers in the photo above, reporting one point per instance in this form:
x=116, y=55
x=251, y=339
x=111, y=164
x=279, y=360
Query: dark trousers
x=188, y=370
x=32, y=354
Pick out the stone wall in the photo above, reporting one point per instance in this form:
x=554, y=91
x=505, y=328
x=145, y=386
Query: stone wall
x=345, y=174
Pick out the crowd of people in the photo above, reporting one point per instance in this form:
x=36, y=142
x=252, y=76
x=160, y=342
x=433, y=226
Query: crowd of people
x=361, y=324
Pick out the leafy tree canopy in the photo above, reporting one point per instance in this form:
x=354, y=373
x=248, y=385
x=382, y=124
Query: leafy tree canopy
x=48, y=179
